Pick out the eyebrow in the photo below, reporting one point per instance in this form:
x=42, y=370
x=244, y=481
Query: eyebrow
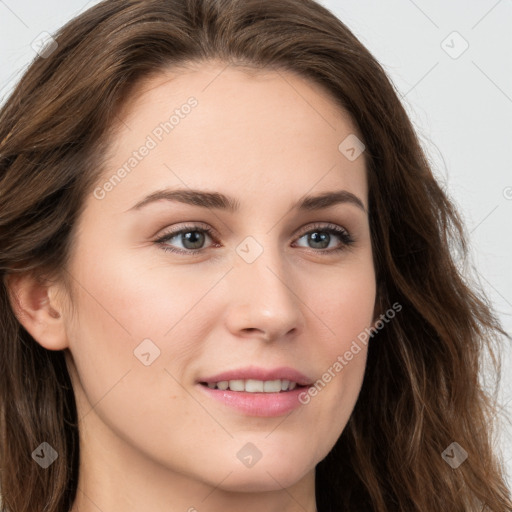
x=220, y=201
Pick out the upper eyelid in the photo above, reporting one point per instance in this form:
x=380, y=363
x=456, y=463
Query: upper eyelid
x=322, y=225
x=189, y=227
x=198, y=226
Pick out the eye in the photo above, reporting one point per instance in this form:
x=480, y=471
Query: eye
x=321, y=236
x=193, y=237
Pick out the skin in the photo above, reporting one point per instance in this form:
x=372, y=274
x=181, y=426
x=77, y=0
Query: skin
x=150, y=439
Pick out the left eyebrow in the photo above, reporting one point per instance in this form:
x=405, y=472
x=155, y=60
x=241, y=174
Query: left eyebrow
x=327, y=199
x=220, y=201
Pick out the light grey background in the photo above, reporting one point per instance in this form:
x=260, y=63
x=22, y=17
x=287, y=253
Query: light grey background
x=461, y=107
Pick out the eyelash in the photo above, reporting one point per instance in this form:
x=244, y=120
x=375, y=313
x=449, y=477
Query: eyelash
x=332, y=229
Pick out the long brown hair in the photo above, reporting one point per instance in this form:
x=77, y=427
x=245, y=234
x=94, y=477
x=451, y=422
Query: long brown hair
x=421, y=390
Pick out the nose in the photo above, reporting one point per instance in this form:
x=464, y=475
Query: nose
x=264, y=301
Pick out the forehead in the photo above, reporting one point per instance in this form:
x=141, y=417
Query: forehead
x=216, y=126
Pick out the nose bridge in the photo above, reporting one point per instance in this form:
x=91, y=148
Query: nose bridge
x=263, y=297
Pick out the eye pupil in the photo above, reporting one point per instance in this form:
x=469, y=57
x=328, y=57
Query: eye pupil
x=195, y=237
x=320, y=238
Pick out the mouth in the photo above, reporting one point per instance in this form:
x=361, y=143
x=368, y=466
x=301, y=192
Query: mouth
x=254, y=385
x=257, y=391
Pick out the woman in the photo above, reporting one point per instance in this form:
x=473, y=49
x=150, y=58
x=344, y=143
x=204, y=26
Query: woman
x=312, y=346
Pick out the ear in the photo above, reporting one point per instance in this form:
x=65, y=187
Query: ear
x=34, y=304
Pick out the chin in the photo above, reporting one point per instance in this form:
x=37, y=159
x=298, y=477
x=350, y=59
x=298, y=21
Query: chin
x=264, y=476
x=247, y=480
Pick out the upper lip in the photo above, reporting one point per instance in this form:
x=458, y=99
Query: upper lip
x=258, y=373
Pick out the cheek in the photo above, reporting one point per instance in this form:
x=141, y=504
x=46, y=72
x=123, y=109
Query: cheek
x=128, y=298
x=131, y=312
x=343, y=301
x=343, y=309
x=126, y=318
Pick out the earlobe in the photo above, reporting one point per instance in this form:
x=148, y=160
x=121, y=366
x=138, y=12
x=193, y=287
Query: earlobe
x=31, y=301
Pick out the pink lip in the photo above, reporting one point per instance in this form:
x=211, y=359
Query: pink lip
x=254, y=372
x=257, y=404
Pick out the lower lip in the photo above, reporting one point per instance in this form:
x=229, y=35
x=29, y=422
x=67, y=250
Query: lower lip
x=258, y=404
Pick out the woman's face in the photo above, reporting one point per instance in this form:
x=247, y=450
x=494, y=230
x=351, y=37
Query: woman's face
x=272, y=290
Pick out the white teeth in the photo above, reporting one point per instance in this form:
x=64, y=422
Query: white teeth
x=236, y=385
x=272, y=386
x=254, y=386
